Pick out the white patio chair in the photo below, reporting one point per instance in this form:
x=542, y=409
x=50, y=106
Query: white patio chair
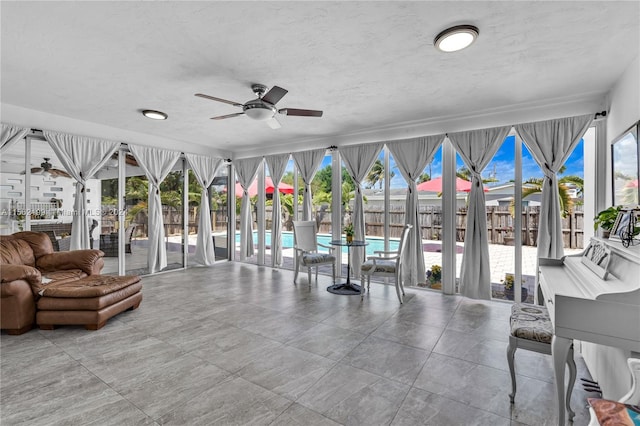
x=306, y=250
x=387, y=264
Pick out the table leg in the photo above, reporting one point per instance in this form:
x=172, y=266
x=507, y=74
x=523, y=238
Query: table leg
x=559, y=350
x=346, y=287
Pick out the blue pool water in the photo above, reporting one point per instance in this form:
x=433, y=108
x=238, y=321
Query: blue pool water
x=375, y=243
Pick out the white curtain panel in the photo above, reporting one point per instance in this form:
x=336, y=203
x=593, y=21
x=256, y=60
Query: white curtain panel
x=550, y=143
x=156, y=164
x=205, y=169
x=81, y=157
x=477, y=148
x=412, y=156
x=277, y=165
x=10, y=135
x=358, y=160
x=307, y=163
x=246, y=170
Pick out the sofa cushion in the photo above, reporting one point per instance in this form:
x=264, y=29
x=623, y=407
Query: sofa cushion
x=87, y=303
x=16, y=252
x=64, y=275
x=89, y=261
x=91, y=286
x=54, y=278
x=39, y=242
x=20, y=272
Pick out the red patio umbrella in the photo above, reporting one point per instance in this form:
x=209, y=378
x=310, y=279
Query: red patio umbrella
x=269, y=187
x=435, y=185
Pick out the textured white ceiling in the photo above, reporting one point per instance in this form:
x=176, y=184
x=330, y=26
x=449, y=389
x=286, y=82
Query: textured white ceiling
x=370, y=66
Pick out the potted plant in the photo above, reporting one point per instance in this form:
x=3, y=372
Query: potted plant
x=348, y=232
x=508, y=281
x=434, y=276
x=606, y=219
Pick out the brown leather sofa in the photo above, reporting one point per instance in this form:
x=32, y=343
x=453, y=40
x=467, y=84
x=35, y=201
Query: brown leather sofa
x=51, y=288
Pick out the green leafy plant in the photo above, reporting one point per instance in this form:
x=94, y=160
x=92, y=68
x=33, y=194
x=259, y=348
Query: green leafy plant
x=348, y=230
x=435, y=274
x=606, y=218
x=509, y=280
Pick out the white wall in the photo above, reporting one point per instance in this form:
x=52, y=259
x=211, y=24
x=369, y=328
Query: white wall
x=12, y=196
x=608, y=365
x=624, y=110
x=624, y=101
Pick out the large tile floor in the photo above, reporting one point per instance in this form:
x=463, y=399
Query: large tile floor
x=241, y=344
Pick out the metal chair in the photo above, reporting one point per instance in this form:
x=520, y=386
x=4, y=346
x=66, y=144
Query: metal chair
x=387, y=264
x=306, y=249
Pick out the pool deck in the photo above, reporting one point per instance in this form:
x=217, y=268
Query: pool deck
x=502, y=258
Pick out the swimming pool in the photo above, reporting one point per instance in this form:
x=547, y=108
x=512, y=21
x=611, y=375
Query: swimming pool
x=375, y=243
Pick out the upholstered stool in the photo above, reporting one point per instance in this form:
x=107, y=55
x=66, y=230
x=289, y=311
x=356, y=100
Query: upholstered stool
x=89, y=301
x=531, y=329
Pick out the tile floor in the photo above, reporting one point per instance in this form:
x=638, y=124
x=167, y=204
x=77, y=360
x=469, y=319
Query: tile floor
x=238, y=344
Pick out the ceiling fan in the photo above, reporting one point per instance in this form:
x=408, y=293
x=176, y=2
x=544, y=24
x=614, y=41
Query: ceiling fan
x=46, y=169
x=264, y=107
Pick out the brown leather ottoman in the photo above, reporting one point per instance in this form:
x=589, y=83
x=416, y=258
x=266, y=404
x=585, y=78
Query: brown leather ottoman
x=89, y=301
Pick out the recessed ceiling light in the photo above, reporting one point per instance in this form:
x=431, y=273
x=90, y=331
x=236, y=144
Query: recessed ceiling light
x=456, y=38
x=155, y=115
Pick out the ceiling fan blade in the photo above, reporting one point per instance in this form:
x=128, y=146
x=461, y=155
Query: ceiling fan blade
x=218, y=99
x=222, y=117
x=131, y=160
x=273, y=123
x=34, y=170
x=274, y=95
x=58, y=173
x=301, y=112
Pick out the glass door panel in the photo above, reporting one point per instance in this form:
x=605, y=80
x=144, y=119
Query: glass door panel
x=106, y=236
x=136, y=221
x=220, y=214
x=12, y=189
x=171, y=195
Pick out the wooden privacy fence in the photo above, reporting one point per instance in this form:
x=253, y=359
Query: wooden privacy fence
x=499, y=223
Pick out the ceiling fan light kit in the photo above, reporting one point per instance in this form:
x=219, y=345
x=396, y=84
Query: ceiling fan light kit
x=263, y=108
x=154, y=115
x=456, y=38
x=259, y=110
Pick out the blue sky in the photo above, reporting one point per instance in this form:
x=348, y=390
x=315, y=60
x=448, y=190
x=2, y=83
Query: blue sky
x=502, y=163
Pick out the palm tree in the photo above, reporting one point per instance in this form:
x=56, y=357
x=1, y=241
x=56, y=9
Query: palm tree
x=464, y=173
x=376, y=174
x=534, y=186
x=425, y=177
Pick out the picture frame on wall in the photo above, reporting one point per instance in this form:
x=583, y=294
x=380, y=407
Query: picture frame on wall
x=624, y=219
x=625, y=167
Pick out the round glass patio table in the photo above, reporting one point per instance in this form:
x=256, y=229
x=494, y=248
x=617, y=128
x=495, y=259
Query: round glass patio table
x=347, y=287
